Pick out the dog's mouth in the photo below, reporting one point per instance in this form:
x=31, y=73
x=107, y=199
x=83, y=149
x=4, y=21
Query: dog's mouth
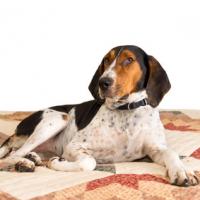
x=112, y=100
x=106, y=94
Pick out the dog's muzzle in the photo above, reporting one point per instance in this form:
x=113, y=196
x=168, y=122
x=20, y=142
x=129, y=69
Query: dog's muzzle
x=105, y=83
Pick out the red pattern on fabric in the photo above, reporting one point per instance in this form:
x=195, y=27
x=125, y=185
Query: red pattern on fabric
x=196, y=154
x=129, y=180
x=173, y=127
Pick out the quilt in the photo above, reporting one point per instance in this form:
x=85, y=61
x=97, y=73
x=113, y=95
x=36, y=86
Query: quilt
x=138, y=180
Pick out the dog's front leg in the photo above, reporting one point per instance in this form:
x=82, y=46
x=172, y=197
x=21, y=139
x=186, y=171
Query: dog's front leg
x=75, y=158
x=178, y=173
x=83, y=162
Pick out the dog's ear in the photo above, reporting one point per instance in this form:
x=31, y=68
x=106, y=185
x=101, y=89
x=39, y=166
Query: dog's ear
x=158, y=83
x=94, y=84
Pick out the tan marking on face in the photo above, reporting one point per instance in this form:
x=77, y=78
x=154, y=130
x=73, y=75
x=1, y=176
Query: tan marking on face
x=127, y=76
x=110, y=57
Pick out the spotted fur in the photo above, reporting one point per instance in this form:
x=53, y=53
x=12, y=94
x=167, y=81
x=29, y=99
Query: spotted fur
x=98, y=131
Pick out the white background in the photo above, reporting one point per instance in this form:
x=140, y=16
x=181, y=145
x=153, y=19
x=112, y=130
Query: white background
x=49, y=50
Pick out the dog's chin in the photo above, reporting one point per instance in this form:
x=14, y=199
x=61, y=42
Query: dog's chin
x=112, y=102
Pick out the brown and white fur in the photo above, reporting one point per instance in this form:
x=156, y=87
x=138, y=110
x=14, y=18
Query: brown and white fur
x=126, y=74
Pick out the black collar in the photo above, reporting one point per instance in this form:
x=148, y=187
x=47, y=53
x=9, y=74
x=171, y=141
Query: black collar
x=133, y=105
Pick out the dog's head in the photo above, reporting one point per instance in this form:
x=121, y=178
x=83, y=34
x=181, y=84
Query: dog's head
x=125, y=70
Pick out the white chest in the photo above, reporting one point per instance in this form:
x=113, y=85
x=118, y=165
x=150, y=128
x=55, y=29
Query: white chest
x=114, y=136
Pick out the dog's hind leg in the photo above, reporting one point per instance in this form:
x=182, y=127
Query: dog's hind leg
x=52, y=122
x=16, y=163
x=12, y=144
x=26, y=164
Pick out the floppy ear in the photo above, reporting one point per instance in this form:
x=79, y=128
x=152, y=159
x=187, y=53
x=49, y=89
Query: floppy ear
x=94, y=84
x=158, y=83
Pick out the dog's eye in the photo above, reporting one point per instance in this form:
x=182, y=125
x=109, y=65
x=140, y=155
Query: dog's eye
x=128, y=61
x=106, y=61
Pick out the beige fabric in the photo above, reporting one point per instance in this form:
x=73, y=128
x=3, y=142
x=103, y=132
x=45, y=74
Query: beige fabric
x=182, y=135
x=43, y=181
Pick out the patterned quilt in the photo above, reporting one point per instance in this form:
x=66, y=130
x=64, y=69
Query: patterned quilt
x=140, y=180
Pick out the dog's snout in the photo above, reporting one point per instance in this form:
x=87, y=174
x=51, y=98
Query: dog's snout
x=105, y=83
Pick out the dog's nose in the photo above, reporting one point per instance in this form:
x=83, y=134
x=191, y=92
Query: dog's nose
x=105, y=83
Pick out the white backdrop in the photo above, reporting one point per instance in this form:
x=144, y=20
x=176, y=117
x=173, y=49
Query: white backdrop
x=49, y=50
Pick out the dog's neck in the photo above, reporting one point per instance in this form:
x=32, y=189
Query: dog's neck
x=137, y=96
x=134, y=97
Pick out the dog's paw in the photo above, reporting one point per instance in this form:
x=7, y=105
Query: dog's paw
x=52, y=161
x=25, y=166
x=181, y=176
x=34, y=157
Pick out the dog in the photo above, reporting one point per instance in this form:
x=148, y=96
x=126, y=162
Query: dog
x=121, y=124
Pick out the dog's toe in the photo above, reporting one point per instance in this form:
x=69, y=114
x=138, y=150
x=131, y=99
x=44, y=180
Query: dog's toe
x=183, y=177
x=25, y=166
x=34, y=157
x=52, y=161
x=193, y=179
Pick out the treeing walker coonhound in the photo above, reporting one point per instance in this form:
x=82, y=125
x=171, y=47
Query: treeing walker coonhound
x=121, y=124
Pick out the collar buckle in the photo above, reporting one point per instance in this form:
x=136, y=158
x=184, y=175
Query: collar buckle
x=145, y=102
x=134, y=105
x=128, y=106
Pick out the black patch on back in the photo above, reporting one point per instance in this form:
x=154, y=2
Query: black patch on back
x=27, y=126
x=85, y=112
x=62, y=108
